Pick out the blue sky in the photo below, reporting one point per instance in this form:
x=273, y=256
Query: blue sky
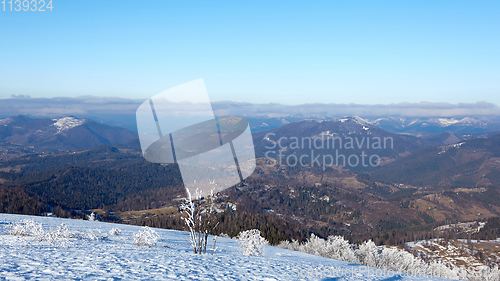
x=290, y=52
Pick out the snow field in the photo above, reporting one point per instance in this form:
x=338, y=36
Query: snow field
x=116, y=257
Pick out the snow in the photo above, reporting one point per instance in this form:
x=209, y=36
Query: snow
x=4, y=120
x=116, y=257
x=445, y=122
x=327, y=133
x=67, y=123
x=360, y=120
x=467, y=121
x=413, y=122
x=356, y=119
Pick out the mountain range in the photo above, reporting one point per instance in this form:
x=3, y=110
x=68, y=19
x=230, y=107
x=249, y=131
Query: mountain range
x=21, y=133
x=423, y=180
x=396, y=124
x=414, y=125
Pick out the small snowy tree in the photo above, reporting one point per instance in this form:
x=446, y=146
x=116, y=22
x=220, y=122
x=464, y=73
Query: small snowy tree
x=338, y=248
x=146, y=237
x=91, y=217
x=368, y=254
x=200, y=218
x=314, y=246
x=251, y=243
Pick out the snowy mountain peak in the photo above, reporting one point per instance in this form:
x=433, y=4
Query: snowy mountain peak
x=360, y=120
x=448, y=121
x=356, y=119
x=4, y=121
x=67, y=123
x=445, y=122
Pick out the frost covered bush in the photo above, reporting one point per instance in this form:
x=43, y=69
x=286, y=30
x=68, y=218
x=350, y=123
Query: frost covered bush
x=487, y=274
x=58, y=236
x=314, y=246
x=114, y=232
x=294, y=245
x=27, y=227
x=335, y=247
x=92, y=217
x=340, y=249
x=146, y=237
x=93, y=235
x=393, y=258
x=251, y=243
x=368, y=254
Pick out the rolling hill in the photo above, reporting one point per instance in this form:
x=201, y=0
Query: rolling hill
x=24, y=134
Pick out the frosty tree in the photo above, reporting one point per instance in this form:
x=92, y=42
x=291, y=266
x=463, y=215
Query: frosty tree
x=251, y=243
x=200, y=217
x=91, y=217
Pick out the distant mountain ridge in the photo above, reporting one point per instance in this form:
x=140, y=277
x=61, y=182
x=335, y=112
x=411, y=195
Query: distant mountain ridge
x=355, y=129
x=19, y=133
x=436, y=125
x=393, y=124
x=333, y=138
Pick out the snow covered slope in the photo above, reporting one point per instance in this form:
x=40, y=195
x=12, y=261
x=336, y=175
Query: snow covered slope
x=172, y=259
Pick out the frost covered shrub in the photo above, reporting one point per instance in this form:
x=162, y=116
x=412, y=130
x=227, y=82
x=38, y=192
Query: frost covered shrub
x=368, y=254
x=338, y=248
x=114, y=232
x=27, y=227
x=146, y=237
x=58, y=236
x=251, y=243
x=294, y=245
x=394, y=259
x=487, y=274
x=92, y=217
x=335, y=247
x=93, y=235
x=314, y=246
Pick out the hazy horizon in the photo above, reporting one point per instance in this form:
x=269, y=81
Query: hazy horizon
x=88, y=105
